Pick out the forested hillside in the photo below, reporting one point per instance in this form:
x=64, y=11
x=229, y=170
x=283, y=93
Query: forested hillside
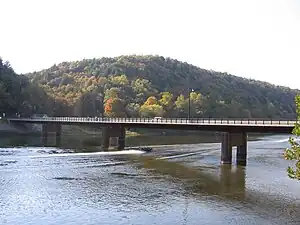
x=152, y=85
x=19, y=96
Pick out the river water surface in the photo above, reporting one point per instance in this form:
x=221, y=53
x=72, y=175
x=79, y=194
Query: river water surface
x=178, y=184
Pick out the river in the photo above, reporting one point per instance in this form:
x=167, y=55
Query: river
x=175, y=184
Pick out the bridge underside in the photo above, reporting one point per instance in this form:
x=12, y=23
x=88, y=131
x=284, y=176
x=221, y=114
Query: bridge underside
x=114, y=134
x=201, y=127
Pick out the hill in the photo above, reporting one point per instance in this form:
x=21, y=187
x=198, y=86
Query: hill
x=153, y=85
x=19, y=96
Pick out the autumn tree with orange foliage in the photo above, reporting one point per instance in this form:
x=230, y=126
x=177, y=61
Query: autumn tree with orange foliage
x=151, y=108
x=108, y=107
x=114, y=107
x=151, y=101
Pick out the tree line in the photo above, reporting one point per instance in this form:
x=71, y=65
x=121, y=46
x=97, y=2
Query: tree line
x=153, y=85
x=145, y=86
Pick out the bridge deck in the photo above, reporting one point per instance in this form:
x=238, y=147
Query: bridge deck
x=163, y=121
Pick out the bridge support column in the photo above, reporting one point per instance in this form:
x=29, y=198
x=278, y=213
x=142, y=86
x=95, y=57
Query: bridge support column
x=241, y=151
x=114, y=131
x=121, y=139
x=44, y=134
x=234, y=139
x=48, y=129
x=105, y=138
x=226, y=150
x=57, y=134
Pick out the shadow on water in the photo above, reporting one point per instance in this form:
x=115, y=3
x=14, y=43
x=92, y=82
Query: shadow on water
x=88, y=142
x=91, y=143
x=230, y=186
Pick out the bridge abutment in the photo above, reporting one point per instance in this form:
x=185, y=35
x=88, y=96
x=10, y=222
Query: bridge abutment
x=50, y=129
x=234, y=139
x=113, y=136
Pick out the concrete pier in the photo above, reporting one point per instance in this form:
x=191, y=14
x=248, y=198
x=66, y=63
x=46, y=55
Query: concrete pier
x=109, y=132
x=241, y=152
x=53, y=130
x=226, y=149
x=44, y=134
x=234, y=139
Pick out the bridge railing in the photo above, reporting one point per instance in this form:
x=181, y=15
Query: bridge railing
x=225, y=121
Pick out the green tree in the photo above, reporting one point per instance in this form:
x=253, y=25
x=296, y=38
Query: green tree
x=180, y=102
x=151, y=110
x=166, y=100
x=293, y=153
x=196, y=104
x=132, y=109
x=119, y=80
x=112, y=93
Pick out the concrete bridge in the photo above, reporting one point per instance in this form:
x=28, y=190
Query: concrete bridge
x=234, y=130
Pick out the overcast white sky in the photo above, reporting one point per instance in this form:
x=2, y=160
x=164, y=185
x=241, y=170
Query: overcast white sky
x=251, y=38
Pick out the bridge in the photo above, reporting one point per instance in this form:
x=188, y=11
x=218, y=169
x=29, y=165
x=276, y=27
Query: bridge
x=234, y=130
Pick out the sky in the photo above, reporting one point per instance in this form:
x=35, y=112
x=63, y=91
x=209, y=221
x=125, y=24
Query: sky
x=258, y=39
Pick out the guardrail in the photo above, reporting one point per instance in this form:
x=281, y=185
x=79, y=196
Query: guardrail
x=184, y=121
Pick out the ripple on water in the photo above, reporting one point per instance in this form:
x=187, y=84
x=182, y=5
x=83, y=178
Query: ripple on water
x=7, y=162
x=67, y=178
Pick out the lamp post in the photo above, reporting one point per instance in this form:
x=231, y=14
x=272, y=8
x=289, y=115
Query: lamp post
x=189, y=105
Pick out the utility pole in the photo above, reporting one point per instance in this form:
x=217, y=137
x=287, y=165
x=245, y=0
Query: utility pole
x=189, y=106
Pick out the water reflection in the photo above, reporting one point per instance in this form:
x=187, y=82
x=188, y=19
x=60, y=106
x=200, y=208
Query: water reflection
x=230, y=187
x=233, y=181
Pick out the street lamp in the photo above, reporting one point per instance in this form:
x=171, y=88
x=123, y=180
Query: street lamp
x=189, y=106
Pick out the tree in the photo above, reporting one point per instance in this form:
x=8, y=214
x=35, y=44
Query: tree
x=151, y=101
x=293, y=153
x=108, y=107
x=166, y=100
x=119, y=80
x=181, y=105
x=114, y=107
x=196, y=104
x=112, y=93
x=151, y=108
x=132, y=109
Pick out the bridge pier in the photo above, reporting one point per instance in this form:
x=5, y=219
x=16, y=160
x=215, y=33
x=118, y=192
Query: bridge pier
x=110, y=132
x=48, y=129
x=226, y=149
x=234, y=139
x=44, y=134
x=241, y=151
